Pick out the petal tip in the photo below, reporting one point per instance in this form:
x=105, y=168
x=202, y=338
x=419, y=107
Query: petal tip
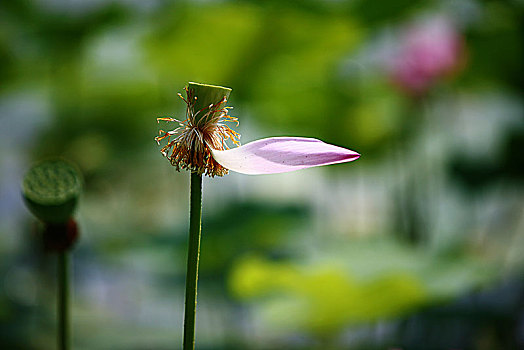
x=352, y=156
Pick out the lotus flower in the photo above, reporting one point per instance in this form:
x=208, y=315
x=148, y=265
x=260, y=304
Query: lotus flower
x=427, y=51
x=199, y=144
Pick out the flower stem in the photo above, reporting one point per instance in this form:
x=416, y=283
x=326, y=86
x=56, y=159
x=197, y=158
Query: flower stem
x=63, y=300
x=193, y=254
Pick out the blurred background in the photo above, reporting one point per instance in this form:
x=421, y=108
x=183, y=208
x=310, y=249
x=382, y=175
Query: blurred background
x=417, y=245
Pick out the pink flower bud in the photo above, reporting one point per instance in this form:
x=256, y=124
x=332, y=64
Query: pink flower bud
x=427, y=51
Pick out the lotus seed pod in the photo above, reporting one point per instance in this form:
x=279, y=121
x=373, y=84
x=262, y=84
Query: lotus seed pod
x=206, y=95
x=51, y=190
x=204, y=128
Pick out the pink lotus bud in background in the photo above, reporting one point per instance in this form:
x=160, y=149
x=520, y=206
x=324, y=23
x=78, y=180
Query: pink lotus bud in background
x=428, y=50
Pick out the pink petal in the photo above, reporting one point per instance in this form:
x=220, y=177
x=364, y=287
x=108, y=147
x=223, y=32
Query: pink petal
x=282, y=154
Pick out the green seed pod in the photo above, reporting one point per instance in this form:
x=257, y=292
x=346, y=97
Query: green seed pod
x=204, y=128
x=51, y=189
x=206, y=95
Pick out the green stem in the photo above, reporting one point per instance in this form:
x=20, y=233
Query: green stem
x=193, y=254
x=63, y=300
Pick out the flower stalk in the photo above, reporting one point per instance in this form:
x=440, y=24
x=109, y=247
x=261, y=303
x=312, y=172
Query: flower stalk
x=63, y=274
x=193, y=256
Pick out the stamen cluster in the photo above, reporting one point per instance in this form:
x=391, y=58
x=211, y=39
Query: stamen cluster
x=202, y=129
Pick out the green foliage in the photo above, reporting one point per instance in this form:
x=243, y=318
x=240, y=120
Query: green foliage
x=373, y=280
x=323, y=299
